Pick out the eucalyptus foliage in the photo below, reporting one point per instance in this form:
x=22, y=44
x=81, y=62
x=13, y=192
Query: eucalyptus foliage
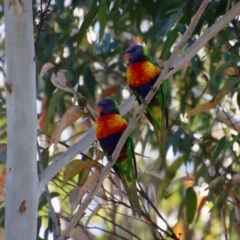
x=197, y=196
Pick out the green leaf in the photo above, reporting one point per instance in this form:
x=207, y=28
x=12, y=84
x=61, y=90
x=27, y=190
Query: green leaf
x=68, y=75
x=2, y=214
x=115, y=18
x=222, y=68
x=229, y=84
x=90, y=82
x=94, y=3
x=43, y=200
x=149, y=7
x=45, y=157
x=51, y=43
x=159, y=29
x=238, y=99
x=50, y=224
x=191, y=204
x=82, y=176
x=131, y=11
x=173, y=35
x=176, y=138
x=76, y=166
x=88, y=20
x=102, y=16
x=220, y=146
x=226, y=56
x=52, y=106
x=171, y=172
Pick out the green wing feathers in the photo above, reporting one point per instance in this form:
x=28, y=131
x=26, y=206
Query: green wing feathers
x=126, y=170
x=157, y=113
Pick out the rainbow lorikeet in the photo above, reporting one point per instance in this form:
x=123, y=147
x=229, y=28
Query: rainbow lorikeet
x=109, y=127
x=141, y=76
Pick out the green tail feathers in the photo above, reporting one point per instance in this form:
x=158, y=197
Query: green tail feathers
x=126, y=169
x=161, y=141
x=131, y=190
x=157, y=115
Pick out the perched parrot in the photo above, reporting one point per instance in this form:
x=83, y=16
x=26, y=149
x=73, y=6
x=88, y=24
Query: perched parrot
x=141, y=76
x=109, y=127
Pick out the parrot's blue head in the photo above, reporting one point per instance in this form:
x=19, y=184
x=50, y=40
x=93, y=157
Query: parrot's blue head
x=136, y=53
x=107, y=106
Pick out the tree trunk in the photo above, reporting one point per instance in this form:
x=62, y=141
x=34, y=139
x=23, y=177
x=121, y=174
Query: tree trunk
x=21, y=184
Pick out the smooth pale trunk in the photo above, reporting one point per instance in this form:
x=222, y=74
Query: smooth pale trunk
x=22, y=179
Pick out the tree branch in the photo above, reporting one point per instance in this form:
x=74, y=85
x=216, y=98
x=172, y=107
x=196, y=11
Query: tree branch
x=39, y=25
x=56, y=229
x=229, y=119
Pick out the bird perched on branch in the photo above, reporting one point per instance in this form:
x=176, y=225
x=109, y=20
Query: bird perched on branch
x=109, y=127
x=141, y=76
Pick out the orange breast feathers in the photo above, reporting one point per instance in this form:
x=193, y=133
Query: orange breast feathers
x=141, y=73
x=109, y=124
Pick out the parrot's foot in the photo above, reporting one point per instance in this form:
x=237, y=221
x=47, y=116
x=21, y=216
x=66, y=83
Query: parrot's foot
x=154, y=89
x=144, y=102
x=109, y=158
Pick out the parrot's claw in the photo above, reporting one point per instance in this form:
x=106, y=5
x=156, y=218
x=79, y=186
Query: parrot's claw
x=109, y=158
x=144, y=102
x=154, y=89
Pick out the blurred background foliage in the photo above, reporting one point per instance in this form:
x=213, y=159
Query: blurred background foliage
x=197, y=196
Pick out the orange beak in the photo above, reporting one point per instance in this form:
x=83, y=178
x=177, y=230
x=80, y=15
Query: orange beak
x=100, y=109
x=127, y=56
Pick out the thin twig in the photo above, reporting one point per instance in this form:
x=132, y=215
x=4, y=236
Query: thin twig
x=56, y=229
x=4, y=74
x=144, y=195
x=84, y=227
x=41, y=21
x=229, y=119
x=133, y=122
x=115, y=224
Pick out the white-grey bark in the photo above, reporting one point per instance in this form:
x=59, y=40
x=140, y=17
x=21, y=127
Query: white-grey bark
x=22, y=179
